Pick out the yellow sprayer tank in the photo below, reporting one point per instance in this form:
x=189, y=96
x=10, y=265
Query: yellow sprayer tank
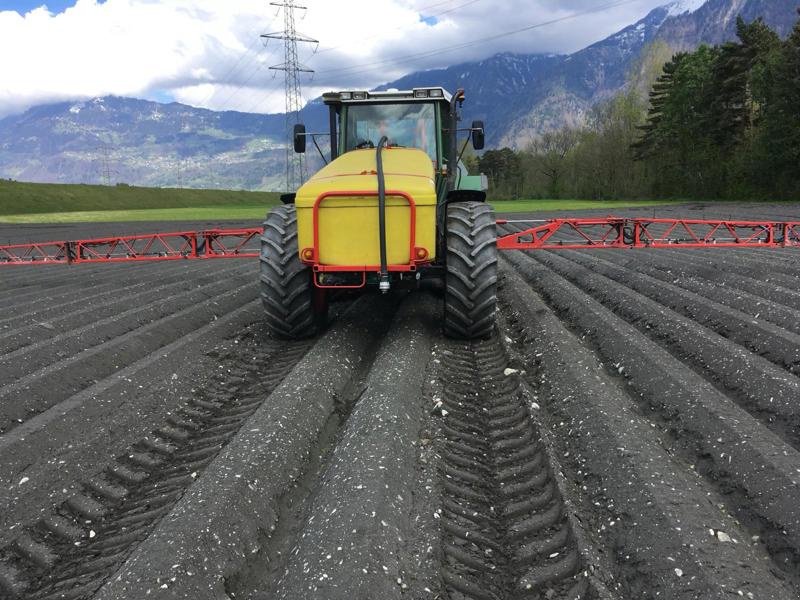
x=344, y=195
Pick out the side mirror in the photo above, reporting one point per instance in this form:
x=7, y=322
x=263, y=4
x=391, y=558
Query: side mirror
x=477, y=135
x=300, y=138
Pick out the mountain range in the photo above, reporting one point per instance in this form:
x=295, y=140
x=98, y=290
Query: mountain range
x=518, y=96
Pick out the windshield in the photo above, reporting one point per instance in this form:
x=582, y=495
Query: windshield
x=409, y=125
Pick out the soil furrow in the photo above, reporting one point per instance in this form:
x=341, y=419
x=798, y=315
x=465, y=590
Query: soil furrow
x=238, y=499
x=158, y=299
x=753, y=305
x=774, y=343
x=754, y=260
x=768, y=392
x=719, y=272
x=141, y=482
x=39, y=282
x=351, y=528
x=44, y=388
x=755, y=472
x=77, y=335
x=52, y=308
x=505, y=531
x=665, y=532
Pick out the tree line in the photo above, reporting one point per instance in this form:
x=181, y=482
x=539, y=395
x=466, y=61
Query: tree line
x=719, y=122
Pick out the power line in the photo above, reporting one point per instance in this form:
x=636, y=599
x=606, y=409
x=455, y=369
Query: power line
x=292, y=67
x=420, y=11
x=445, y=49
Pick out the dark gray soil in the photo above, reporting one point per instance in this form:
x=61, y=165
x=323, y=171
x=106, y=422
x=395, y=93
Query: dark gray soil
x=631, y=431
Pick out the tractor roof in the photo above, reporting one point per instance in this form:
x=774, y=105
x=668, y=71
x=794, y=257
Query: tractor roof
x=363, y=97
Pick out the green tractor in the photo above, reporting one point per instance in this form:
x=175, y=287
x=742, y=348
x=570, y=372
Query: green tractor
x=393, y=208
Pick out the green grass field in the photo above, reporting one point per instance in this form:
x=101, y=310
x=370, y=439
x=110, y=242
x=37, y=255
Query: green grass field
x=53, y=203
x=515, y=206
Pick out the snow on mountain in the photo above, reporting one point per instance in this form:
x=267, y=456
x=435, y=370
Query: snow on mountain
x=682, y=7
x=518, y=96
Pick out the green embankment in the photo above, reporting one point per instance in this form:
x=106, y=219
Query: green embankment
x=56, y=203
x=521, y=206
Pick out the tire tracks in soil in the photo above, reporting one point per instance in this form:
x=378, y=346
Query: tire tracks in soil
x=505, y=529
x=69, y=553
x=753, y=473
x=648, y=511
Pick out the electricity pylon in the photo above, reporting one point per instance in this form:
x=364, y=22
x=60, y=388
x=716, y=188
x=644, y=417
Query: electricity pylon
x=292, y=67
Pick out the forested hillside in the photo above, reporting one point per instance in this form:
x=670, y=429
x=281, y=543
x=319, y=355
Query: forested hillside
x=720, y=122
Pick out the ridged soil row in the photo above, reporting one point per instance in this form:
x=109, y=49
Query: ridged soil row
x=749, y=263
x=775, y=343
x=56, y=371
x=43, y=279
x=664, y=532
x=42, y=305
x=93, y=313
x=765, y=390
x=719, y=272
x=22, y=277
x=505, y=531
x=786, y=257
x=71, y=552
x=26, y=284
x=755, y=473
x=755, y=304
x=81, y=334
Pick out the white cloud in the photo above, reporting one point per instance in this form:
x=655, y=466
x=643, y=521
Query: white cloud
x=208, y=52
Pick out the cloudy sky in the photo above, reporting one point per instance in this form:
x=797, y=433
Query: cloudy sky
x=208, y=52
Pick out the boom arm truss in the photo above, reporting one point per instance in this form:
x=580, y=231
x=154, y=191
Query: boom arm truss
x=551, y=234
x=214, y=243
x=620, y=232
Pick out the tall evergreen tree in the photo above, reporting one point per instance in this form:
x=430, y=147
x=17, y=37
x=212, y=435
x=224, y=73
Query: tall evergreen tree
x=653, y=134
x=782, y=118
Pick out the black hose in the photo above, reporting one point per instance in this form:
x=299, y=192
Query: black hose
x=384, y=284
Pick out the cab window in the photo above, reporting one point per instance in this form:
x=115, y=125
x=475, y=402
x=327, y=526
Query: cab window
x=411, y=125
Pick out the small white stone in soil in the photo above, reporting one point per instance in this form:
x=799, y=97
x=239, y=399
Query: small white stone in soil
x=679, y=572
x=723, y=537
x=508, y=372
x=24, y=480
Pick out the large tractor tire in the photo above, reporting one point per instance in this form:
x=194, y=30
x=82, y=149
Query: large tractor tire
x=471, y=280
x=287, y=288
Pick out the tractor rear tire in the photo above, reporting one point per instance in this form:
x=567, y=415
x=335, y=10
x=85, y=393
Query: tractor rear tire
x=287, y=287
x=471, y=280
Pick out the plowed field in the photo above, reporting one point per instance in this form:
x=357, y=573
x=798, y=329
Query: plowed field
x=630, y=431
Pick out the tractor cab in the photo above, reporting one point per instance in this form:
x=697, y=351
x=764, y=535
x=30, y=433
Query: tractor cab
x=391, y=208
x=422, y=118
